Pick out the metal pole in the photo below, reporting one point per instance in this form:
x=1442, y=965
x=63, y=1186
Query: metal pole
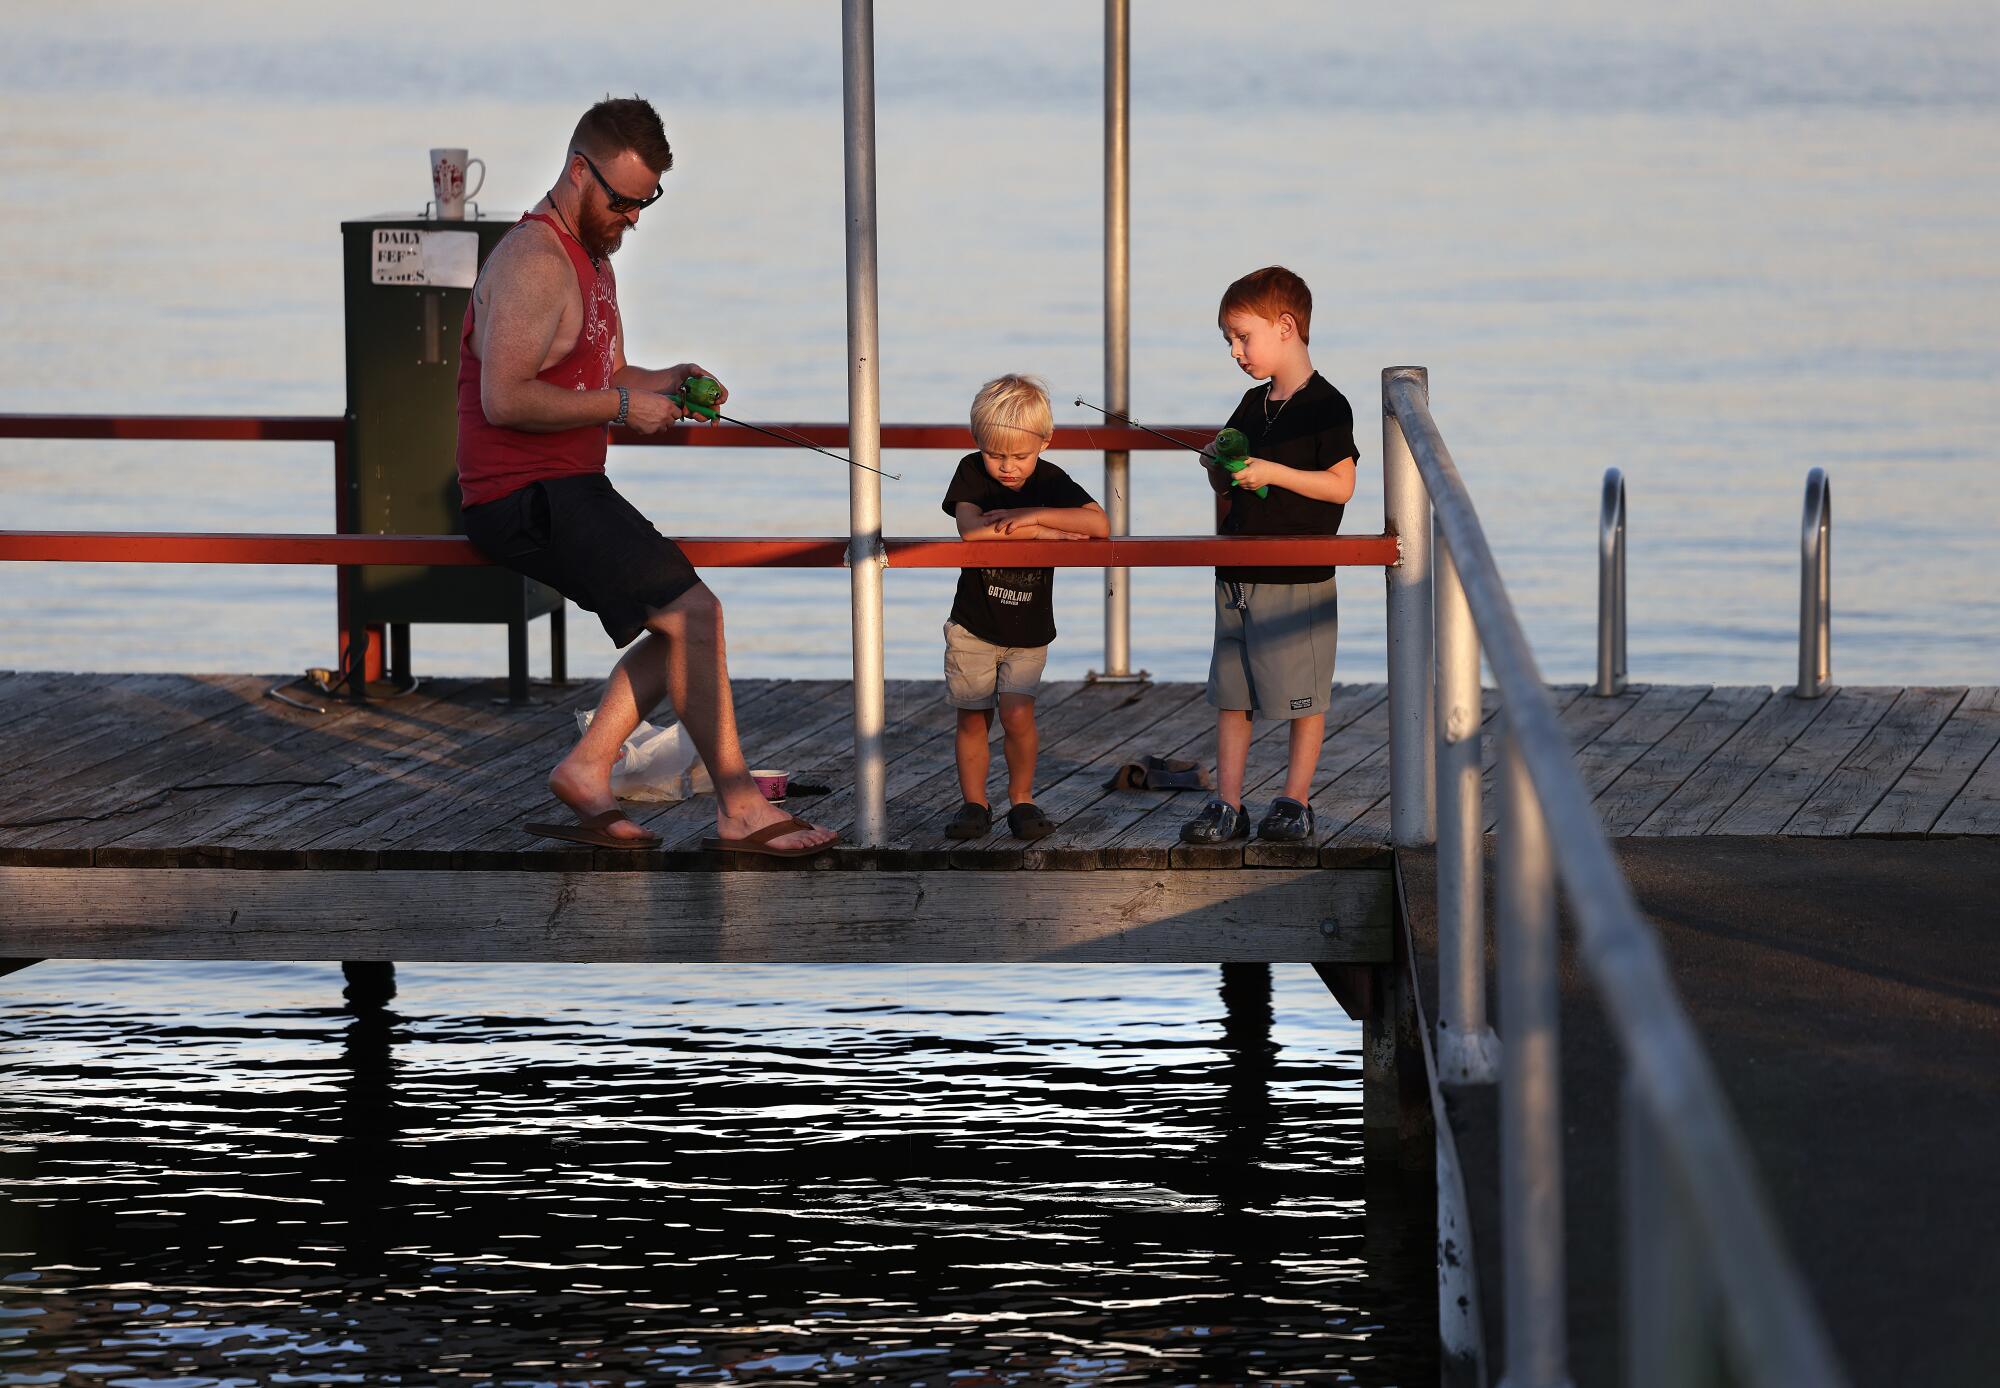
x=1816, y=588
x=1118, y=321
x=1407, y=515
x=1611, y=586
x=1531, y=1210
x=865, y=555
x=1467, y=1051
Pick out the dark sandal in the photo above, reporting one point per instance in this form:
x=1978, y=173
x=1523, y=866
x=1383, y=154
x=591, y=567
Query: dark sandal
x=1026, y=821
x=759, y=843
x=1289, y=821
x=595, y=832
x=973, y=821
x=1217, y=822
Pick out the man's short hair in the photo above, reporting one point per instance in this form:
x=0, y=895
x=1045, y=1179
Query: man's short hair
x=1269, y=292
x=1008, y=411
x=617, y=124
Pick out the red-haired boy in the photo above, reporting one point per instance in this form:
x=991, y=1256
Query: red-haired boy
x=1275, y=627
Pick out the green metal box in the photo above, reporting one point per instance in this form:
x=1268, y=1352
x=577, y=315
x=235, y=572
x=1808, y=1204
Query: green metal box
x=407, y=284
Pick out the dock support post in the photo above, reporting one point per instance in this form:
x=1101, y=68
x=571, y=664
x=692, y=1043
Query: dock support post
x=370, y=982
x=1407, y=515
x=1816, y=588
x=1611, y=586
x=1531, y=1214
x=1467, y=1050
x=866, y=557
x=1117, y=324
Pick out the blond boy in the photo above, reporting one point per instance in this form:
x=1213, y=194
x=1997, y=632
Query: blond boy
x=1002, y=620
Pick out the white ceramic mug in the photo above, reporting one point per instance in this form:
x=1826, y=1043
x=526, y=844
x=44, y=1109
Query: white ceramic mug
x=448, y=170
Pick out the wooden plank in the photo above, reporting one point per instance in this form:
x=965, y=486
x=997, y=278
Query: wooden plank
x=1715, y=785
x=1071, y=771
x=1926, y=789
x=1661, y=769
x=1353, y=774
x=1153, y=840
x=117, y=793
x=1795, y=773
x=917, y=814
x=789, y=917
x=130, y=761
x=377, y=755
x=1583, y=715
x=427, y=771
x=29, y=697
x=317, y=758
x=106, y=723
x=1975, y=809
x=1864, y=776
x=1659, y=711
x=812, y=736
x=513, y=788
x=1088, y=816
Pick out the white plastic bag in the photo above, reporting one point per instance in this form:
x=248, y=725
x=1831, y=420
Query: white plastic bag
x=655, y=764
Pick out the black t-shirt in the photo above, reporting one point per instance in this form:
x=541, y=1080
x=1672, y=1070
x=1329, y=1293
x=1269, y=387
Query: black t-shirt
x=1311, y=431
x=1008, y=607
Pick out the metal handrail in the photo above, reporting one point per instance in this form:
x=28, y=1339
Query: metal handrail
x=1611, y=586
x=1768, y=1326
x=1816, y=588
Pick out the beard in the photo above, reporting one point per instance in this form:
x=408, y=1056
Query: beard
x=600, y=232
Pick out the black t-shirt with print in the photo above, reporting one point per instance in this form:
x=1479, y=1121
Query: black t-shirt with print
x=1008, y=607
x=1310, y=431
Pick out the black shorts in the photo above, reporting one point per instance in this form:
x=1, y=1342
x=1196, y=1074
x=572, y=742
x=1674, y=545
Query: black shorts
x=590, y=544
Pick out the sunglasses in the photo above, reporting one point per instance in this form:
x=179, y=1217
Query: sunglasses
x=619, y=202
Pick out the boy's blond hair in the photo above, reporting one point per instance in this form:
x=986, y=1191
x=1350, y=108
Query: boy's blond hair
x=1009, y=410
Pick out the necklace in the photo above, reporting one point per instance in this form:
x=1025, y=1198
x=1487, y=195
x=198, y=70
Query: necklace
x=556, y=208
x=1271, y=415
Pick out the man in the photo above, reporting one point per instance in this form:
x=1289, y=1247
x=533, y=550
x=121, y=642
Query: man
x=542, y=371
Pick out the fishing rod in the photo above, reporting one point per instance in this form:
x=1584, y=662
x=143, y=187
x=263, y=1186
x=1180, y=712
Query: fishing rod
x=1231, y=447
x=699, y=395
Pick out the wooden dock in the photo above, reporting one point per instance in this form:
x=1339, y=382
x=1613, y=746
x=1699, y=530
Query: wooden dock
x=194, y=816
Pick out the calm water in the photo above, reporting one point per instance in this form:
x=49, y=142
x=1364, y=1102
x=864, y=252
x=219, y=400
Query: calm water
x=1711, y=247
x=219, y=1175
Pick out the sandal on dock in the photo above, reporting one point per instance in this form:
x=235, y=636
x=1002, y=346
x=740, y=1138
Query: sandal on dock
x=1026, y=821
x=594, y=831
x=760, y=842
x=973, y=821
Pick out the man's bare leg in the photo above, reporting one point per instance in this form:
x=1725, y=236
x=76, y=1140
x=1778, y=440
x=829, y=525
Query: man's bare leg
x=680, y=657
x=1302, y=755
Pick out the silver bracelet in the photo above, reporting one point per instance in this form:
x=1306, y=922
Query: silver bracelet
x=624, y=405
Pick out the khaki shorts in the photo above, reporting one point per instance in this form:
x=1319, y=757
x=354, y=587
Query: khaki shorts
x=977, y=673
x=1274, y=648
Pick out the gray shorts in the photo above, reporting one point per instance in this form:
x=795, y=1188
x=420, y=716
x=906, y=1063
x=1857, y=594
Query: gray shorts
x=1274, y=648
x=977, y=673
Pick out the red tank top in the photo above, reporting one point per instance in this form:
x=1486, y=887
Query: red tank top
x=493, y=461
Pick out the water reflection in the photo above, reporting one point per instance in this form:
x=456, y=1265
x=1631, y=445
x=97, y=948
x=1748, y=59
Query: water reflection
x=1090, y=1177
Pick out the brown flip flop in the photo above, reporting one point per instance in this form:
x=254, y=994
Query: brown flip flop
x=594, y=831
x=760, y=842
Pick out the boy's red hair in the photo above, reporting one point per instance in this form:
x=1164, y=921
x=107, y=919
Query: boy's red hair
x=1269, y=292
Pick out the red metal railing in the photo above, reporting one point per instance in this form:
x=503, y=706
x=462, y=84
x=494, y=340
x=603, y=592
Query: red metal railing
x=333, y=429
x=777, y=552
x=354, y=550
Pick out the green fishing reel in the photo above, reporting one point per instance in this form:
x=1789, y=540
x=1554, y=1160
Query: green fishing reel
x=700, y=395
x=1232, y=449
